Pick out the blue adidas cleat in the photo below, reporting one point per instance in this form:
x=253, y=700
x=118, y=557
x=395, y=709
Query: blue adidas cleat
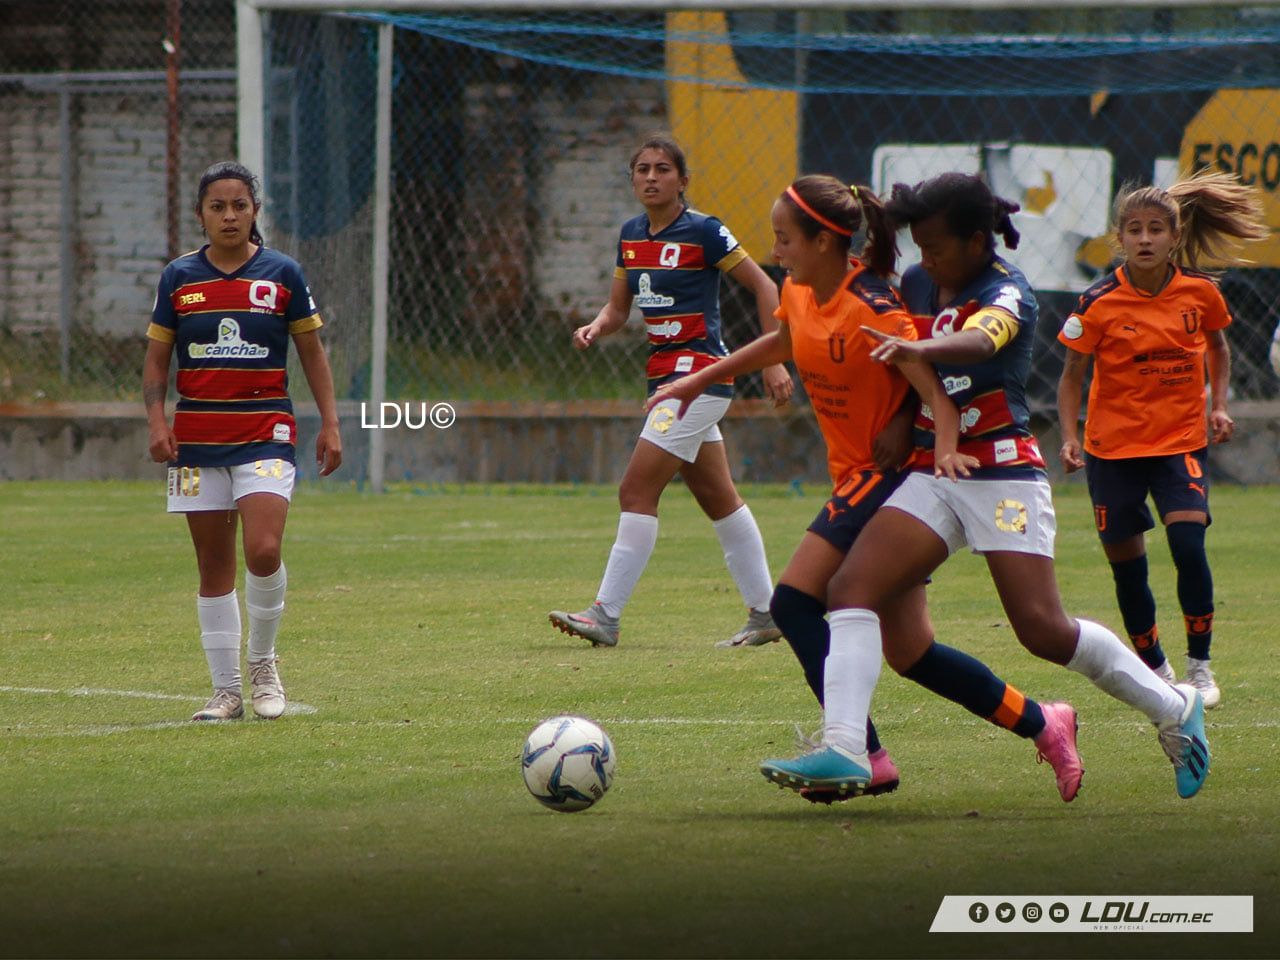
x=1185, y=743
x=827, y=769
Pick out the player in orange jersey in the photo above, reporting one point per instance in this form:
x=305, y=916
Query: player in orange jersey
x=1150, y=327
x=669, y=263
x=827, y=302
x=980, y=317
x=229, y=311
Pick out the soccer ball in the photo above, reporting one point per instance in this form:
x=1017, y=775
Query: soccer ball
x=567, y=763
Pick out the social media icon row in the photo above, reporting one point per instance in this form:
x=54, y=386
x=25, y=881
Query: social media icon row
x=1006, y=912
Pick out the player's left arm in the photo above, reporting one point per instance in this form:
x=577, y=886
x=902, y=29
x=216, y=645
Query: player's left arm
x=315, y=365
x=1218, y=358
x=777, y=380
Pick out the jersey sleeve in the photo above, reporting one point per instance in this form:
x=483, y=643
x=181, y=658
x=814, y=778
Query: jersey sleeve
x=1000, y=301
x=619, y=271
x=720, y=246
x=164, y=319
x=303, y=315
x=1082, y=330
x=1218, y=314
x=785, y=306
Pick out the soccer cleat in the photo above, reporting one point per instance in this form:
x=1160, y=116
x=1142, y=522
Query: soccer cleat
x=1201, y=677
x=591, y=624
x=268, y=691
x=1165, y=673
x=758, y=630
x=884, y=779
x=1183, y=740
x=884, y=772
x=1056, y=743
x=827, y=768
x=223, y=705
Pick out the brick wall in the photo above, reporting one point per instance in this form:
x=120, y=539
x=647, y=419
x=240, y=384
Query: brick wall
x=586, y=140
x=118, y=177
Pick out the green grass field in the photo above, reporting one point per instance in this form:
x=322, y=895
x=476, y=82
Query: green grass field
x=392, y=820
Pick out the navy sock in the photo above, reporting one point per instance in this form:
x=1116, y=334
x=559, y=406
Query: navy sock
x=1138, y=609
x=969, y=682
x=1195, y=584
x=803, y=621
x=873, y=738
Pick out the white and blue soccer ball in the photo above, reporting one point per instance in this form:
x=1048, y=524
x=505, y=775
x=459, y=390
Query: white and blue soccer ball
x=567, y=763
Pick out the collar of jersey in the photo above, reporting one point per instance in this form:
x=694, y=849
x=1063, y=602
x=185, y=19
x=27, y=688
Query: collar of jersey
x=650, y=235
x=1123, y=277
x=238, y=271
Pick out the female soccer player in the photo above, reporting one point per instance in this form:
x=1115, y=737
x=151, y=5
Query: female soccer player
x=669, y=263
x=980, y=316
x=827, y=300
x=230, y=308
x=1150, y=327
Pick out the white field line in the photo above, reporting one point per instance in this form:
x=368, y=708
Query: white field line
x=307, y=709
x=105, y=729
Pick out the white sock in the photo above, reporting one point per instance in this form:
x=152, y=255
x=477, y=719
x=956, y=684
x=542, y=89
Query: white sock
x=637, y=535
x=1113, y=667
x=220, y=637
x=264, y=601
x=744, y=556
x=853, y=667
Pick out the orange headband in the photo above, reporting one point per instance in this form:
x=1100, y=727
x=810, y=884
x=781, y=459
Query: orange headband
x=791, y=192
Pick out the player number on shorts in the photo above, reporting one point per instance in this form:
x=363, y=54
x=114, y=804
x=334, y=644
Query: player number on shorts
x=269, y=468
x=188, y=481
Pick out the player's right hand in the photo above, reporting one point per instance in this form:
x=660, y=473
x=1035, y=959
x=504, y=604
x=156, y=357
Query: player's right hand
x=675, y=390
x=584, y=336
x=953, y=466
x=1070, y=457
x=162, y=444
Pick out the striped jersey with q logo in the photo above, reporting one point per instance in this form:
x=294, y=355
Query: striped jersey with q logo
x=674, y=278
x=231, y=334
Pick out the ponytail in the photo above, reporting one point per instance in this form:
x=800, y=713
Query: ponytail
x=1218, y=213
x=880, y=252
x=1004, y=222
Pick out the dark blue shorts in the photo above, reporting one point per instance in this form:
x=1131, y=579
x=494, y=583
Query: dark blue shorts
x=1119, y=490
x=842, y=517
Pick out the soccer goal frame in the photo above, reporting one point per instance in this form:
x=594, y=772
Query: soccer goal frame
x=252, y=22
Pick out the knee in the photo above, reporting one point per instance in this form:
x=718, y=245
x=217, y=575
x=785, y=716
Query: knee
x=787, y=605
x=634, y=497
x=262, y=556
x=1186, y=542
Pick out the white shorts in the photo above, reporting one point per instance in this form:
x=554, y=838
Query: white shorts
x=1011, y=515
x=192, y=489
x=683, y=436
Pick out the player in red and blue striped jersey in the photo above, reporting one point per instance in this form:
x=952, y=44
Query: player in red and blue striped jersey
x=229, y=310
x=669, y=263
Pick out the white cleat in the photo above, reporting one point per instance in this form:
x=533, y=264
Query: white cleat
x=1201, y=677
x=223, y=705
x=1165, y=673
x=268, y=691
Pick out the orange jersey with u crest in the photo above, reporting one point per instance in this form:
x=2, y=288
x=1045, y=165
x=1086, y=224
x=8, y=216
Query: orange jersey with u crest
x=852, y=395
x=1147, y=398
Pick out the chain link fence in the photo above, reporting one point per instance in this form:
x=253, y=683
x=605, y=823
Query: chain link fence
x=85, y=211
x=510, y=139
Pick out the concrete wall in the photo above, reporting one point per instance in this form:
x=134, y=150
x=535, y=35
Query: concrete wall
x=515, y=443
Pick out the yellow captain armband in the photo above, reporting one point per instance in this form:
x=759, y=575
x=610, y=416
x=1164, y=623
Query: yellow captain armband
x=999, y=325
